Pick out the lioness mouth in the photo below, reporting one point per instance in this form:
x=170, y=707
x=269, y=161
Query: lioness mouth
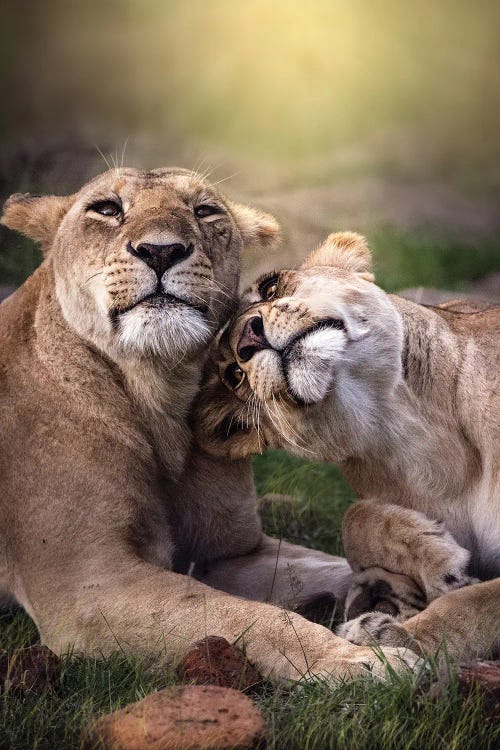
x=160, y=299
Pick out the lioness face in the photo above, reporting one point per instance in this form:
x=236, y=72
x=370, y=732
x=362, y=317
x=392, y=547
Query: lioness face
x=304, y=344
x=144, y=262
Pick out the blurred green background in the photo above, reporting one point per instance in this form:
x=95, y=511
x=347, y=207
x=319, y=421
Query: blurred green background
x=377, y=116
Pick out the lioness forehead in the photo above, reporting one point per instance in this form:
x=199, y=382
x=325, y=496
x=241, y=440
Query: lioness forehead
x=182, y=181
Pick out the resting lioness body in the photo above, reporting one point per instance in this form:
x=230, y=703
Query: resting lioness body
x=105, y=503
x=406, y=399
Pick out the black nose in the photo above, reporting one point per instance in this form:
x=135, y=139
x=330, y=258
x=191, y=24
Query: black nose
x=161, y=257
x=252, y=339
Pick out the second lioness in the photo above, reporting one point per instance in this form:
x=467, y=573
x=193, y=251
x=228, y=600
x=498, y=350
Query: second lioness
x=321, y=362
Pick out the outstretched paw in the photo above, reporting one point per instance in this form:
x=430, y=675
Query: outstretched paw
x=365, y=662
x=376, y=628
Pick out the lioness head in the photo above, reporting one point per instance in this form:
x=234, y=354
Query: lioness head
x=143, y=262
x=307, y=359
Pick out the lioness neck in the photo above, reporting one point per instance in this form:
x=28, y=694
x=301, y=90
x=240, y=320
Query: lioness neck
x=140, y=390
x=425, y=425
x=164, y=397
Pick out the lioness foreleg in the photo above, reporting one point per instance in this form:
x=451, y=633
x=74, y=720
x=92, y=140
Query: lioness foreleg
x=401, y=550
x=142, y=609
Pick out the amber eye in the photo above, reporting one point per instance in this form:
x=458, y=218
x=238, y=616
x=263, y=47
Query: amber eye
x=234, y=376
x=269, y=287
x=107, y=208
x=204, y=210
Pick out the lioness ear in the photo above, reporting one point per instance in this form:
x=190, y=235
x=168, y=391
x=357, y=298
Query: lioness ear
x=36, y=216
x=257, y=228
x=346, y=250
x=221, y=425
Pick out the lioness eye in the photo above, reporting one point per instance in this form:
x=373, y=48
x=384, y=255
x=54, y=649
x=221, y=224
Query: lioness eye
x=106, y=208
x=204, y=210
x=269, y=287
x=234, y=376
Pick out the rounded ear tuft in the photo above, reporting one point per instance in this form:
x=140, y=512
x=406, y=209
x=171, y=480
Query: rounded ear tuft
x=257, y=228
x=36, y=216
x=347, y=250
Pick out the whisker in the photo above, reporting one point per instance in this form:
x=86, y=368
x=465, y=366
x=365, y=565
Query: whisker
x=282, y=433
x=101, y=153
x=203, y=301
x=218, y=290
x=285, y=420
x=224, y=179
x=123, y=151
x=92, y=277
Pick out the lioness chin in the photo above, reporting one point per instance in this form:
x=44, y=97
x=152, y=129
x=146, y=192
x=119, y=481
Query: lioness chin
x=321, y=362
x=105, y=501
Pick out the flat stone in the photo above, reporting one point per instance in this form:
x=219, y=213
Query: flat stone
x=213, y=661
x=29, y=670
x=194, y=717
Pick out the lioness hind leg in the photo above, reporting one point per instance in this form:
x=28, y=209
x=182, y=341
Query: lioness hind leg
x=466, y=621
x=404, y=542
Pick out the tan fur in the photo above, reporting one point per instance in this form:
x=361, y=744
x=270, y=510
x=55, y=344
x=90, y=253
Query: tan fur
x=105, y=503
x=405, y=399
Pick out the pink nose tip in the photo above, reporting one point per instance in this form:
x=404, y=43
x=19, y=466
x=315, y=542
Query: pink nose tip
x=252, y=339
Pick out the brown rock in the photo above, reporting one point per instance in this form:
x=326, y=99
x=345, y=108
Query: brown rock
x=485, y=676
x=194, y=717
x=213, y=661
x=32, y=669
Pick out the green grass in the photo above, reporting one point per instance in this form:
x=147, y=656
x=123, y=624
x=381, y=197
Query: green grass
x=361, y=714
x=429, y=258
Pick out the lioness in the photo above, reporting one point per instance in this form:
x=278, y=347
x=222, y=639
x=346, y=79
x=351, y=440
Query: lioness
x=406, y=399
x=105, y=503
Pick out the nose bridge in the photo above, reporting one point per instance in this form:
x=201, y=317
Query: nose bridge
x=159, y=235
x=162, y=222
x=252, y=311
